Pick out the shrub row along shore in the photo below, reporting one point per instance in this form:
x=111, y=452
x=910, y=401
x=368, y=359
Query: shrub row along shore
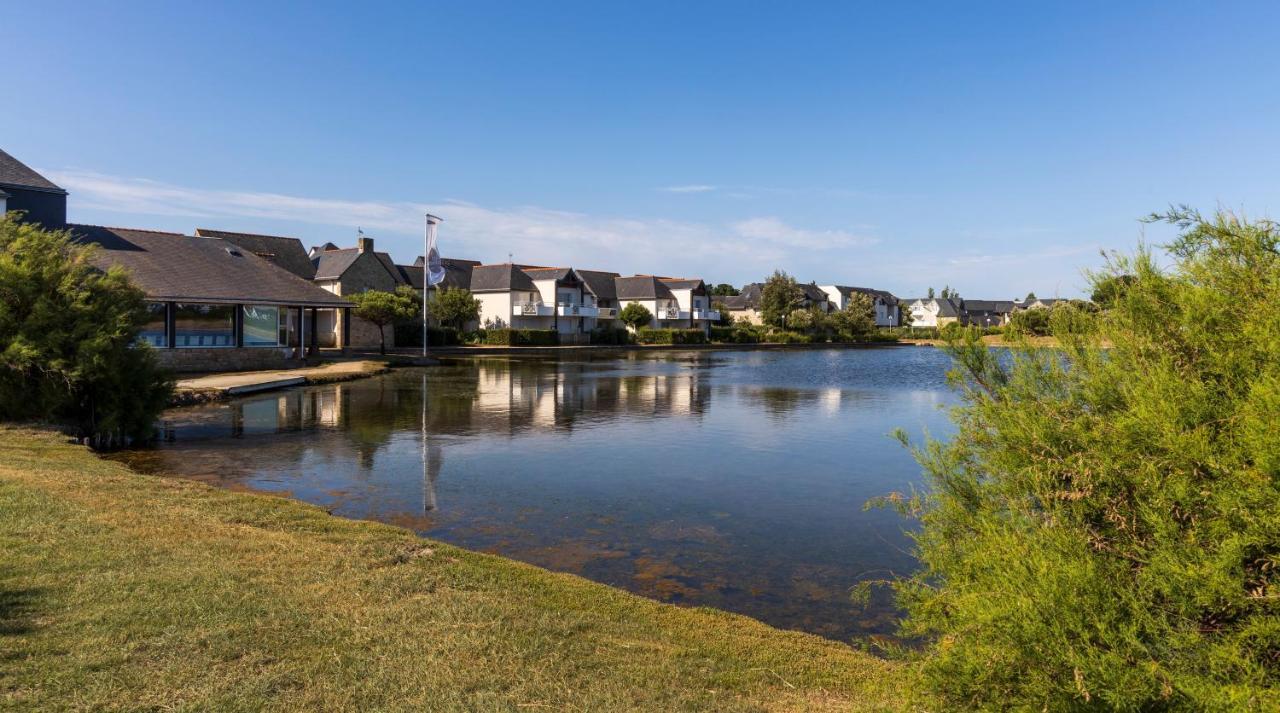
x=120, y=590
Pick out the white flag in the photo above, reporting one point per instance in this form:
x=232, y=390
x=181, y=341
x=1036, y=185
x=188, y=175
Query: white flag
x=433, y=270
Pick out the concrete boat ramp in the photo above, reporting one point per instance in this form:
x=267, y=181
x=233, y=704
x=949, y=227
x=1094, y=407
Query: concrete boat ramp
x=212, y=387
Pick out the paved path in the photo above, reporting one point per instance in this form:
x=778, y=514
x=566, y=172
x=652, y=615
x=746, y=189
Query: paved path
x=250, y=381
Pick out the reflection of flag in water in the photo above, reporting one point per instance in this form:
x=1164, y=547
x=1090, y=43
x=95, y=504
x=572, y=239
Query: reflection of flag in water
x=433, y=270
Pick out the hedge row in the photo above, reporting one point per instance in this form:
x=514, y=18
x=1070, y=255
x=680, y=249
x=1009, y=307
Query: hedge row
x=410, y=335
x=521, y=337
x=671, y=336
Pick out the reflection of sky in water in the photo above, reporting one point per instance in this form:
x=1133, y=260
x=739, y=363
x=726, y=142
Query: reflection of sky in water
x=730, y=479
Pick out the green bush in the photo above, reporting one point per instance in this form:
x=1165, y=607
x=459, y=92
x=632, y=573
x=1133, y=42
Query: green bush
x=67, y=340
x=1103, y=530
x=521, y=337
x=408, y=335
x=739, y=334
x=610, y=336
x=780, y=337
x=671, y=336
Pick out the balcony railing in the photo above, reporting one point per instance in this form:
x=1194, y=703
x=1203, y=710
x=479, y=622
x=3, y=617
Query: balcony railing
x=570, y=309
x=532, y=309
x=672, y=313
x=707, y=314
x=607, y=312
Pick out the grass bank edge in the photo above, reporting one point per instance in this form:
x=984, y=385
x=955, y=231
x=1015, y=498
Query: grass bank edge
x=133, y=576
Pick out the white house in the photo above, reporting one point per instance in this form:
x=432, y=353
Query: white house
x=934, y=312
x=675, y=303
x=887, y=312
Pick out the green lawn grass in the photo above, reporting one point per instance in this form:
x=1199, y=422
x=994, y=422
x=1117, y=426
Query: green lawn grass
x=125, y=591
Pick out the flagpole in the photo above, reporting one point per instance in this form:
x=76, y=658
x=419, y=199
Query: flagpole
x=428, y=243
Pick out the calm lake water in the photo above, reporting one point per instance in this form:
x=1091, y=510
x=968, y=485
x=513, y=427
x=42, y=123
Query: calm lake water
x=729, y=479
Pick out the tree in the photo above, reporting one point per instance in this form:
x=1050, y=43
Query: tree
x=1031, y=322
x=1108, y=289
x=68, y=340
x=635, y=316
x=454, y=307
x=949, y=294
x=1031, y=297
x=382, y=308
x=858, y=318
x=930, y=295
x=1103, y=530
x=724, y=290
x=726, y=318
x=778, y=298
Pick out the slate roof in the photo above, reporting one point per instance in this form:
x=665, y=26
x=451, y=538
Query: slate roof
x=992, y=306
x=330, y=264
x=185, y=268
x=17, y=174
x=601, y=284
x=946, y=307
x=814, y=293
x=549, y=273
x=750, y=295
x=502, y=277
x=287, y=253
x=333, y=264
x=869, y=291
x=641, y=287
x=733, y=302
x=457, y=273
x=680, y=283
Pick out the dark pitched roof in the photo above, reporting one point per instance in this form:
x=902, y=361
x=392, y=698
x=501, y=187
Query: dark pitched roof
x=994, y=306
x=457, y=273
x=641, y=287
x=174, y=267
x=734, y=302
x=814, y=293
x=503, y=277
x=681, y=283
x=549, y=273
x=19, y=175
x=330, y=264
x=869, y=291
x=287, y=253
x=600, y=283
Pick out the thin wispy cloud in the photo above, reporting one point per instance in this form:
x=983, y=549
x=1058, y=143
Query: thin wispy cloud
x=747, y=248
x=694, y=188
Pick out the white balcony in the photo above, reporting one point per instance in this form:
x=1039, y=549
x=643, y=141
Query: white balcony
x=672, y=313
x=607, y=312
x=532, y=309
x=569, y=309
x=710, y=315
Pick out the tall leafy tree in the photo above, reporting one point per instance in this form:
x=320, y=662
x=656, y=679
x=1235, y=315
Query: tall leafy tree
x=454, y=307
x=858, y=318
x=779, y=297
x=68, y=331
x=635, y=315
x=1103, y=531
x=724, y=289
x=383, y=308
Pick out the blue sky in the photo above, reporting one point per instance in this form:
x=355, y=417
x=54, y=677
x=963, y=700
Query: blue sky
x=993, y=147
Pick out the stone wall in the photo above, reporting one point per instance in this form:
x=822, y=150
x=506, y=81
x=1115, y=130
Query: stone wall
x=239, y=359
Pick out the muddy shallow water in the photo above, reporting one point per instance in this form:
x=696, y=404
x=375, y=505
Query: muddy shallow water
x=728, y=479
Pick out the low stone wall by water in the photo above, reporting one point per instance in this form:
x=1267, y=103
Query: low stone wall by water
x=234, y=359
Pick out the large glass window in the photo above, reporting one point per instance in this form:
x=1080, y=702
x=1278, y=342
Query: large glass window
x=261, y=326
x=156, y=331
x=204, y=325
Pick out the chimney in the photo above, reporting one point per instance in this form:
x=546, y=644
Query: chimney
x=364, y=245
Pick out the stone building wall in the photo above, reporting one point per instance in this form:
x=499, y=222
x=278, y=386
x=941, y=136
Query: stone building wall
x=185, y=361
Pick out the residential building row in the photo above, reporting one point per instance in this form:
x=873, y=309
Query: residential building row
x=941, y=311
x=745, y=306
x=231, y=300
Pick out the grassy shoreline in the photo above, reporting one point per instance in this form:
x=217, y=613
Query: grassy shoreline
x=119, y=590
